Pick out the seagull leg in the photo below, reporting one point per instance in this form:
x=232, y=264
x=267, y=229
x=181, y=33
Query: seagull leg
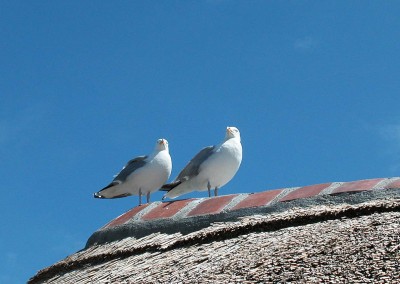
x=209, y=189
x=216, y=191
x=148, y=197
x=140, y=196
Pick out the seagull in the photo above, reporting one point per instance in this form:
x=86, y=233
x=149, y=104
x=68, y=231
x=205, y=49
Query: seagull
x=212, y=167
x=141, y=175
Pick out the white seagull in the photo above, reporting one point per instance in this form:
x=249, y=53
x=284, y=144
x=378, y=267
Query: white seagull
x=212, y=167
x=142, y=175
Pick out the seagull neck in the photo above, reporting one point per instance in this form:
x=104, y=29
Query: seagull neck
x=158, y=151
x=236, y=139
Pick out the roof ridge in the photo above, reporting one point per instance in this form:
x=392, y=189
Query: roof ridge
x=190, y=215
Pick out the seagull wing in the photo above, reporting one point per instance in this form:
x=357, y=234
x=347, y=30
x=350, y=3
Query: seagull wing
x=131, y=167
x=192, y=168
x=128, y=169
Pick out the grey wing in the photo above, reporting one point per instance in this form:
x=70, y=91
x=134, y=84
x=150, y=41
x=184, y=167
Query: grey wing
x=130, y=167
x=193, y=167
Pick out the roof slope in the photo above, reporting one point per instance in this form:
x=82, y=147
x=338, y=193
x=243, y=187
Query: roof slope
x=324, y=243
x=305, y=234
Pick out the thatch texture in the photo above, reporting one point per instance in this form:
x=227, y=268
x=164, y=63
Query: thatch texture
x=332, y=244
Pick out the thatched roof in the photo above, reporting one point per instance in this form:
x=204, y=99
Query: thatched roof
x=333, y=242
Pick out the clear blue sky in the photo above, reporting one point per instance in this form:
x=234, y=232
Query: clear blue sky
x=313, y=87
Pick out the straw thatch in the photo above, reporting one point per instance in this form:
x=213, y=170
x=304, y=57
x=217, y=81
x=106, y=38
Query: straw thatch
x=336, y=244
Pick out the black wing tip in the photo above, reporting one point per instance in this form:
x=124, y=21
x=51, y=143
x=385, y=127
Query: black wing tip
x=170, y=186
x=97, y=195
x=110, y=185
x=165, y=187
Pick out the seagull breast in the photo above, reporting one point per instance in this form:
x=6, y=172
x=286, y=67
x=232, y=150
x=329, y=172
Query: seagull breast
x=154, y=175
x=222, y=166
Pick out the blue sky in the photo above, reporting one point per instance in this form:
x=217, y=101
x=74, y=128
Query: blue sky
x=86, y=85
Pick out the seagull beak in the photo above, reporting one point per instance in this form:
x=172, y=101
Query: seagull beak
x=228, y=130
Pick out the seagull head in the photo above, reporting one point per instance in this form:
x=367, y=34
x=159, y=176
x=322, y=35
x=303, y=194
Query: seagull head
x=232, y=132
x=162, y=144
